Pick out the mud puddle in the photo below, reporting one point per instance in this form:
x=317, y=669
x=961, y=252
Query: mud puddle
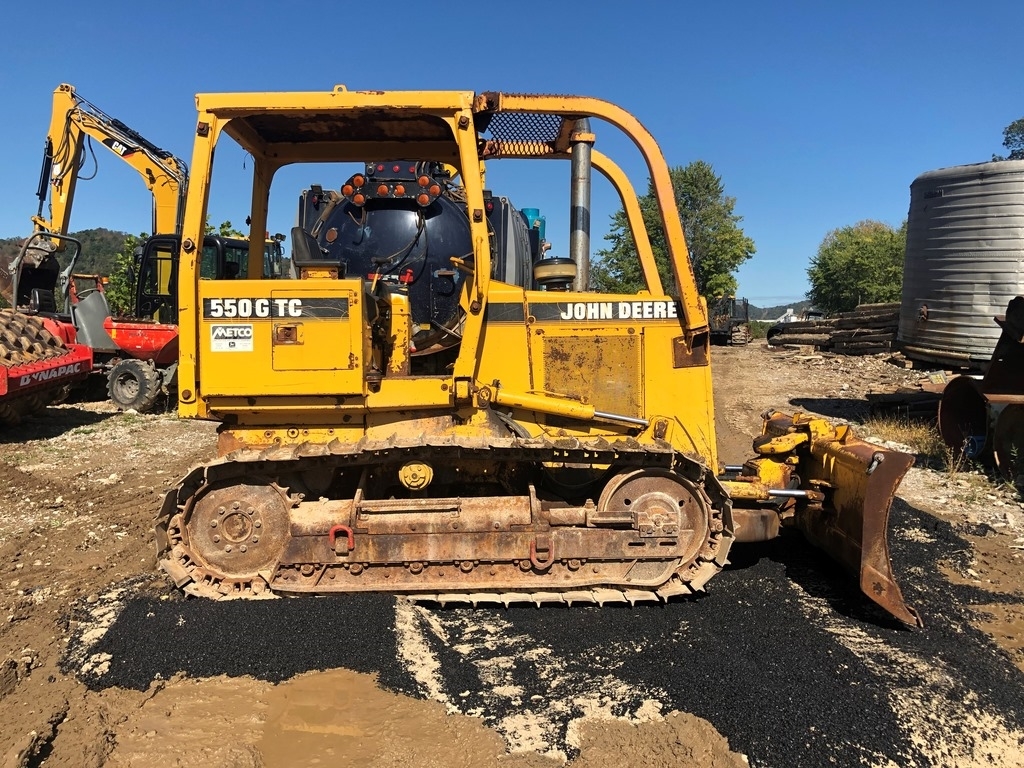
x=342, y=718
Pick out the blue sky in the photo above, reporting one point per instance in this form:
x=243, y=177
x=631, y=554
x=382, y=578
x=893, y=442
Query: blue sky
x=816, y=115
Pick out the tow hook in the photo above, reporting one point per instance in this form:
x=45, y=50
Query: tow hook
x=343, y=546
x=544, y=545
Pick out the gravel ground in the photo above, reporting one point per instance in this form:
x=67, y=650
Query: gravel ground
x=105, y=664
x=787, y=661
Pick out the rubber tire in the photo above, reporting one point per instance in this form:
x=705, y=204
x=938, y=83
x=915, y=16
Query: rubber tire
x=24, y=339
x=133, y=385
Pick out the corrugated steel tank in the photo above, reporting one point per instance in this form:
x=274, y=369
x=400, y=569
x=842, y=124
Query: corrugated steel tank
x=964, y=262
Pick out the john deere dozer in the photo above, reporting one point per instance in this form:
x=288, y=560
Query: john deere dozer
x=431, y=410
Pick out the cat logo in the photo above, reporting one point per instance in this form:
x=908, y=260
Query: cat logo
x=119, y=148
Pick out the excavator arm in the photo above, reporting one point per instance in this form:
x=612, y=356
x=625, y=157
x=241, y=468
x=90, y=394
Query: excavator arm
x=74, y=122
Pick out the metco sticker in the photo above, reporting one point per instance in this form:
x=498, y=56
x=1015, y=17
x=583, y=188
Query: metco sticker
x=231, y=338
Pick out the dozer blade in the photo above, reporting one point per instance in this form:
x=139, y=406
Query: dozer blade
x=859, y=481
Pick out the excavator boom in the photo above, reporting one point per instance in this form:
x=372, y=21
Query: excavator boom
x=74, y=122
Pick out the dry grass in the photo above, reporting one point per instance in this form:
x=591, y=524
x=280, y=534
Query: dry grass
x=923, y=438
x=932, y=452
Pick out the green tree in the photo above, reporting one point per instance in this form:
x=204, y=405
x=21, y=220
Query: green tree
x=1013, y=140
x=99, y=250
x=859, y=264
x=226, y=229
x=715, y=240
x=120, y=289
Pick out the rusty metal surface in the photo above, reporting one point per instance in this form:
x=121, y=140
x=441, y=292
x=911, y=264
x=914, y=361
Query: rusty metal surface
x=523, y=133
x=842, y=505
x=238, y=530
x=963, y=417
x=691, y=351
x=601, y=370
x=367, y=125
x=852, y=525
x=663, y=525
x=755, y=524
x=971, y=408
x=1008, y=443
x=673, y=542
x=660, y=504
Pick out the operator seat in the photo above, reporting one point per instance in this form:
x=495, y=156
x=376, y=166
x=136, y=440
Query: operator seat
x=43, y=301
x=39, y=271
x=308, y=253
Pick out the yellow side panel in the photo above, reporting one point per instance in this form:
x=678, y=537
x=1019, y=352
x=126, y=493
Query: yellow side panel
x=616, y=353
x=598, y=366
x=682, y=394
x=260, y=337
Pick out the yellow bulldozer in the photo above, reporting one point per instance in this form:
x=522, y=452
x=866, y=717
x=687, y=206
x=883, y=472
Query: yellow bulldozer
x=430, y=409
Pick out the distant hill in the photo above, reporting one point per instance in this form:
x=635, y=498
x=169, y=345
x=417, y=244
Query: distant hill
x=773, y=313
x=99, y=249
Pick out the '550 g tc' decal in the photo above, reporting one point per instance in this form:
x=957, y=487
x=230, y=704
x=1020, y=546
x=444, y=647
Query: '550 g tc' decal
x=245, y=308
x=227, y=308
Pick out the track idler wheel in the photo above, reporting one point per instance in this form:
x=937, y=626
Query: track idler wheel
x=662, y=504
x=236, y=533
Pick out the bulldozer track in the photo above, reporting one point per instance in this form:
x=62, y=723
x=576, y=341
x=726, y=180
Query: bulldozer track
x=24, y=339
x=189, y=571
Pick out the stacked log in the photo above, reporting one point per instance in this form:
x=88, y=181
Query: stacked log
x=870, y=329
x=816, y=333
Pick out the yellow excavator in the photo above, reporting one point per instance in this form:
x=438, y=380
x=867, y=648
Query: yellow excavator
x=136, y=355
x=432, y=410
x=74, y=123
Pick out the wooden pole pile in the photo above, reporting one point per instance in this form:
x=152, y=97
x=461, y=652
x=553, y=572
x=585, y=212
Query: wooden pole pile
x=870, y=329
x=816, y=333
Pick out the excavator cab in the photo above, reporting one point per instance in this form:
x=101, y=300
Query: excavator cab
x=223, y=258
x=430, y=410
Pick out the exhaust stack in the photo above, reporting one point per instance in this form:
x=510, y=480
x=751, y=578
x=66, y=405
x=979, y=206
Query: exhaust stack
x=579, y=213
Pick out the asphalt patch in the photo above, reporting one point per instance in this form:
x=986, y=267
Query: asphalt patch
x=271, y=640
x=783, y=656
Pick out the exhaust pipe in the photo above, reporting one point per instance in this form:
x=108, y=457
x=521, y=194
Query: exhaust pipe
x=579, y=215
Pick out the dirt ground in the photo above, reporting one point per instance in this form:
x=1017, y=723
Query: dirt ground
x=82, y=483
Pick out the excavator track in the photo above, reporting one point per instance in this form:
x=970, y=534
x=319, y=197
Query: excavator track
x=25, y=340
x=239, y=527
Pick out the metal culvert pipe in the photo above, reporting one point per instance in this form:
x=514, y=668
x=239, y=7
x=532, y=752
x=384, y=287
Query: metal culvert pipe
x=1008, y=442
x=964, y=417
